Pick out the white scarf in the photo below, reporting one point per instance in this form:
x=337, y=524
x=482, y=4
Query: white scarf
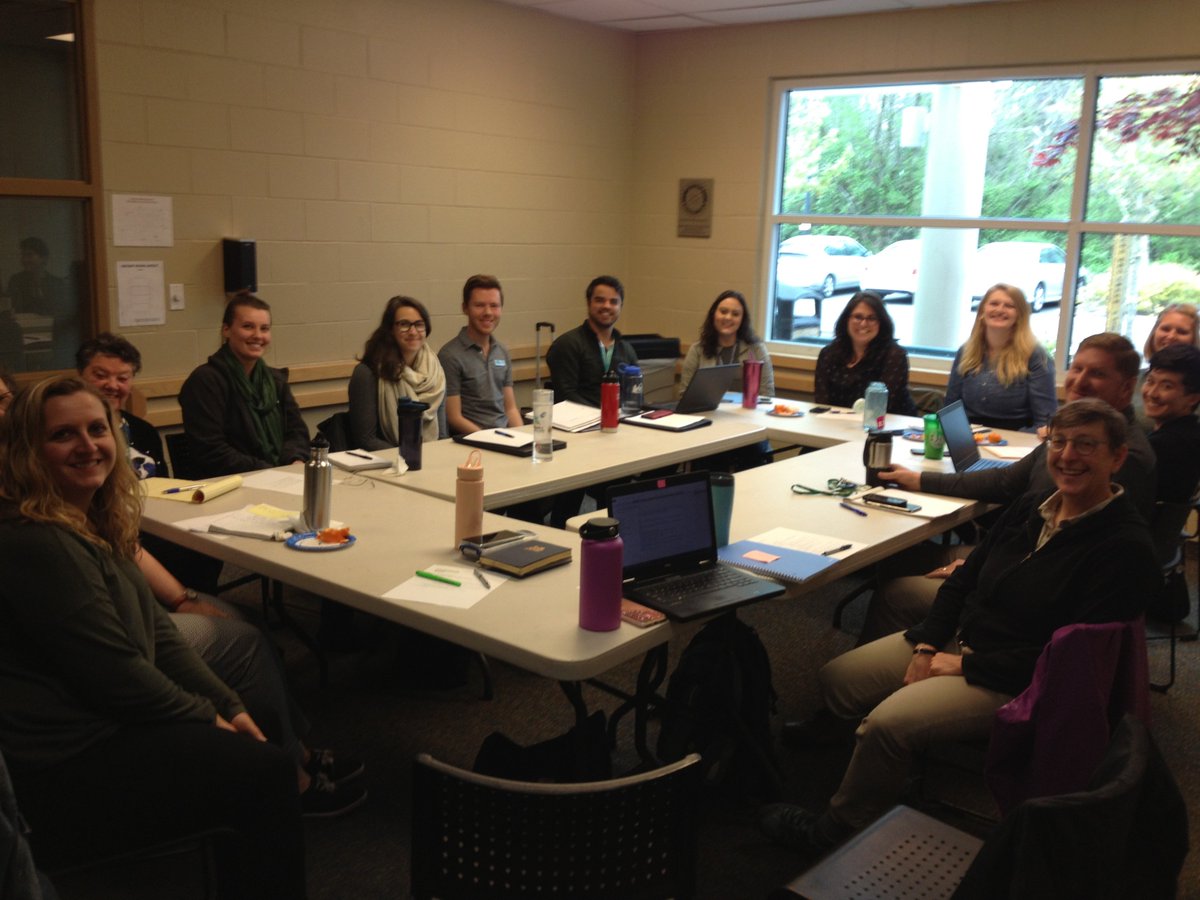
x=423, y=381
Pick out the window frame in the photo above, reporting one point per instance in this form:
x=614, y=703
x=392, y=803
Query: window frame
x=1074, y=228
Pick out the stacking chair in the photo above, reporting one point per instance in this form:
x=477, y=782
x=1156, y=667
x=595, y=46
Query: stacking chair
x=479, y=837
x=1169, y=537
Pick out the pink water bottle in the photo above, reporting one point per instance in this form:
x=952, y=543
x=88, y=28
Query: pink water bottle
x=751, y=381
x=610, y=402
x=601, y=556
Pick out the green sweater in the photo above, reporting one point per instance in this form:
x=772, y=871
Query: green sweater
x=85, y=649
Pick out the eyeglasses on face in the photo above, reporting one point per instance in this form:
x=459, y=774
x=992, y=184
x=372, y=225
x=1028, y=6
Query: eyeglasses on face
x=1084, y=446
x=406, y=326
x=860, y=319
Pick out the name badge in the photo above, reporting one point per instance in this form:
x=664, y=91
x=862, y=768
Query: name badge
x=498, y=363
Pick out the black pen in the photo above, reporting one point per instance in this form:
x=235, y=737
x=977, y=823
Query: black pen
x=503, y=433
x=482, y=580
x=359, y=455
x=837, y=550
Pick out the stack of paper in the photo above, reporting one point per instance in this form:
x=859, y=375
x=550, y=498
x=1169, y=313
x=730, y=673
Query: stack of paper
x=262, y=521
x=358, y=460
x=575, y=417
x=190, y=491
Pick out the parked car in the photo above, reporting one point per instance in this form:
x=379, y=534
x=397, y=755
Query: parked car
x=892, y=272
x=1036, y=268
x=827, y=262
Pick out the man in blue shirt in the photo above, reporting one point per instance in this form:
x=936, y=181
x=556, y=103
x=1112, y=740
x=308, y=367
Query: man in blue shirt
x=479, y=381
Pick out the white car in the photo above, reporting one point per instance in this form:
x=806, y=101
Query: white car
x=1036, y=268
x=826, y=263
x=893, y=271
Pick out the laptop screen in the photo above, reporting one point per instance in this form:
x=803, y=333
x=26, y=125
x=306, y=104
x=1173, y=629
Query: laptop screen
x=666, y=523
x=959, y=439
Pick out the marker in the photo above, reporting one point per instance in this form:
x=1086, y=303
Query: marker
x=503, y=433
x=186, y=487
x=442, y=578
x=364, y=456
x=838, y=549
x=482, y=580
x=853, y=509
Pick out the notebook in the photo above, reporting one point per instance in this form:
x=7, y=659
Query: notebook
x=670, y=556
x=705, y=390
x=960, y=441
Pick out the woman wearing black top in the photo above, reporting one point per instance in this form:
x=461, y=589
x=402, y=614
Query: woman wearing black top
x=863, y=350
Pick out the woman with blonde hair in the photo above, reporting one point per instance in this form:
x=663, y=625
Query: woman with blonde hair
x=117, y=734
x=1178, y=323
x=1001, y=374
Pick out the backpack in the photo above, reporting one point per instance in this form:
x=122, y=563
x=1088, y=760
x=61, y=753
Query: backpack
x=719, y=704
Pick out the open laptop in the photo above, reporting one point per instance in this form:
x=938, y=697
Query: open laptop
x=705, y=390
x=670, y=557
x=960, y=441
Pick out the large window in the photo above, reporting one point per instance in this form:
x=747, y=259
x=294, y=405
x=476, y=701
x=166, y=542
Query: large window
x=51, y=292
x=1083, y=190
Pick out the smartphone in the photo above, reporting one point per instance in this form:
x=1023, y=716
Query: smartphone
x=473, y=546
x=819, y=409
x=896, y=503
x=657, y=414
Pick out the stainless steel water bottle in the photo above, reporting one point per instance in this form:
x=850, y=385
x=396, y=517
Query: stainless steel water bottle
x=318, y=485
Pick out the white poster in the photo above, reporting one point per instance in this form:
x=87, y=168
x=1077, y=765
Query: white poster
x=141, y=294
x=142, y=221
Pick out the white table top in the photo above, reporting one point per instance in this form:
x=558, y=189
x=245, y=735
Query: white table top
x=589, y=458
x=817, y=430
x=531, y=623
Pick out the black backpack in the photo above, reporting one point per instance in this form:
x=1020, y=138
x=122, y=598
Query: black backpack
x=719, y=704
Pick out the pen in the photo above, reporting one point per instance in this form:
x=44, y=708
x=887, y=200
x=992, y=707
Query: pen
x=482, y=580
x=838, y=549
x=503, y=433
x=186, y=487
x=359, y=455
x=442, y=578
x=855, y=510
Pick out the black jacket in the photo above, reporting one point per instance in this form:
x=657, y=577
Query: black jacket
x=221, y=428
x=577, y=367
x=1008, y=598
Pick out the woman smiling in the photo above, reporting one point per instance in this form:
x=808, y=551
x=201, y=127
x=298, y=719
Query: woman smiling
x=727, y=337
x=863, y=350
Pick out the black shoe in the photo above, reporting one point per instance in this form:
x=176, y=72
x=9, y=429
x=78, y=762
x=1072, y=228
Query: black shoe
x=821, y=729
x=337, y=767
x=795, y=827
x=326, y=800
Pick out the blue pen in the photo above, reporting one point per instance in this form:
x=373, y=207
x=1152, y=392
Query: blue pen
x=856, y=511
x=186, y=487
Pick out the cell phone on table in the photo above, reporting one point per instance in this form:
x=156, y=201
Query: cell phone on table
x=657, y=414
x=819, y=409
x=472, y=547
x=897, y=503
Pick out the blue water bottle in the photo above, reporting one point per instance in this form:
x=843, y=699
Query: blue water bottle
x=875, y=403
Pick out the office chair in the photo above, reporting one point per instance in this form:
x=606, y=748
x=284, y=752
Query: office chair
x=479, y=837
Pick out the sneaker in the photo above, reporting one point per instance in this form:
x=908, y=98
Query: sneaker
x=796, y=827
x=337, y=767
x=326, y=799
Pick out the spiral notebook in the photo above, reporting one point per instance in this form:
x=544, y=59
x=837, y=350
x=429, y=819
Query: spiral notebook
x=775, y=561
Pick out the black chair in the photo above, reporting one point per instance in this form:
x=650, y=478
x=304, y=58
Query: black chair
x=479, y=837
x=1169, y=538
x=336, y=430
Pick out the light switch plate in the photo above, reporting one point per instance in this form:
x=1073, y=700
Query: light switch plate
x=176, y=294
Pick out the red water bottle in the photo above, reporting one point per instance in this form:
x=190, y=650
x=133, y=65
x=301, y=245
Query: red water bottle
x=610, y=401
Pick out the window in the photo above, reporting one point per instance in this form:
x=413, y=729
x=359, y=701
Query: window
x=1083, y=190
x=51, y=289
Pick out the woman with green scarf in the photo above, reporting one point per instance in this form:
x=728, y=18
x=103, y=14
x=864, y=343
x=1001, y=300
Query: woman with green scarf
x=238, y=412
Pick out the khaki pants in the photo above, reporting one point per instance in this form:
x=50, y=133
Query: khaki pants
x=900, y=721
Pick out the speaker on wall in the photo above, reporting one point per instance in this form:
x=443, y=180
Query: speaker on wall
x=241, y=265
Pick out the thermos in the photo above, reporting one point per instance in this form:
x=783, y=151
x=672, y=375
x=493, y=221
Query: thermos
x=632, y=390
x=877, y=455
x=875, y=403
x=318, y=485
x=468, y=498
x=411, y=416
x=601, y=555
x=751, y=381
x=610, y=401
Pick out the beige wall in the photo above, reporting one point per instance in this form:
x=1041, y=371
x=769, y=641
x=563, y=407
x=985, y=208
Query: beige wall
x=703, y=98
x=371, y=147
x=383, y=146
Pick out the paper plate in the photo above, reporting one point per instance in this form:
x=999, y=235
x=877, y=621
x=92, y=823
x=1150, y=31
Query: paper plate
x=308, y=541
x=794, y=414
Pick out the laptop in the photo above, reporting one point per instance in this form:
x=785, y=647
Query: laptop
x=705, y=390
x=670, y=557
x=960, y=441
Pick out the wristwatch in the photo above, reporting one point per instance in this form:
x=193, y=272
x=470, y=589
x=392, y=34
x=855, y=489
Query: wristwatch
x=188, y=596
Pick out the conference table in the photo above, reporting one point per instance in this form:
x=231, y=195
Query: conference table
x=533, y=623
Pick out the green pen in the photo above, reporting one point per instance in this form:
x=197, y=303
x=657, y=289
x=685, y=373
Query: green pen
x=442, y=578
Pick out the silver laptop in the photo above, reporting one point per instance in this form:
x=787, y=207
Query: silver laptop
x=670, y=555
x=960, y=441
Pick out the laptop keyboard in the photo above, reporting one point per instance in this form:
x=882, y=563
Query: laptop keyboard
x=676, y=590
x=980, y=464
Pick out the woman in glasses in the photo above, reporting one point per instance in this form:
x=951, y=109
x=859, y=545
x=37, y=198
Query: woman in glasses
x=396, y=364
x=1001, y=374
x=238, y=412
x=863, y=350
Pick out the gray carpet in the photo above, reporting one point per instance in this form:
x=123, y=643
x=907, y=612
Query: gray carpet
x=372, y=709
